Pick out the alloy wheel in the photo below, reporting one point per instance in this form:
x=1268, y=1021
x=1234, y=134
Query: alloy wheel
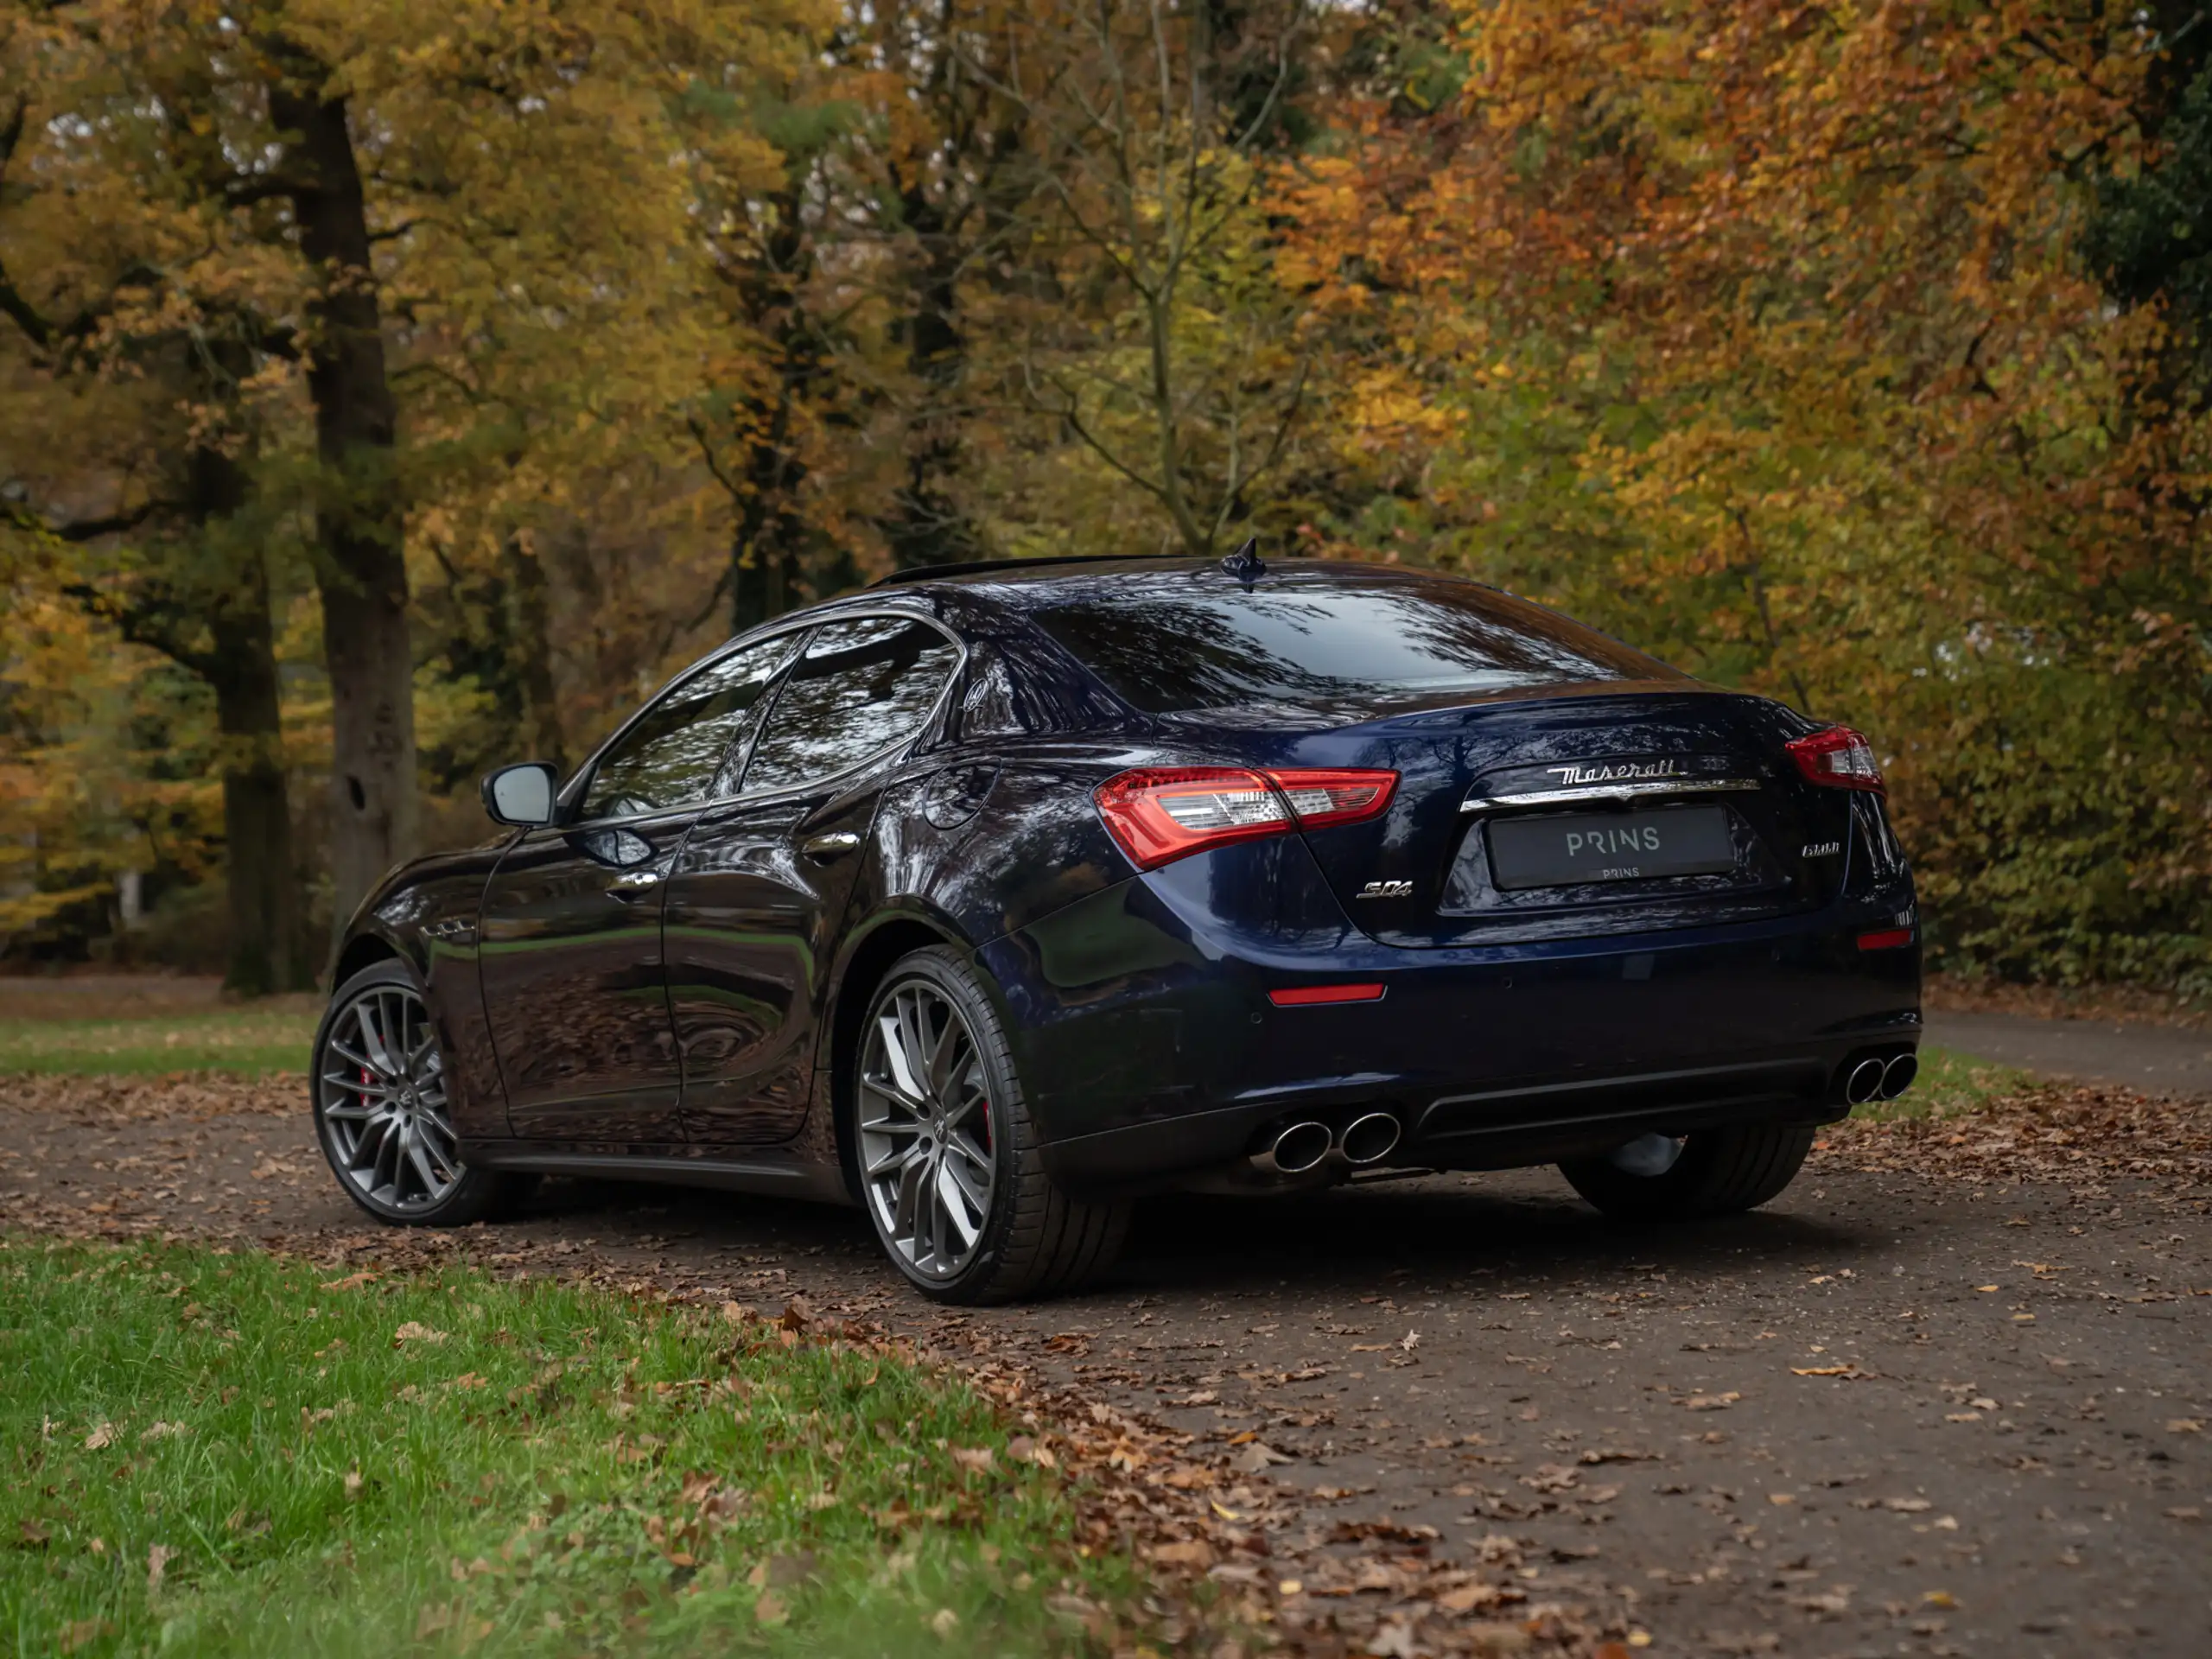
x=382, y=1091
x=925, y=1130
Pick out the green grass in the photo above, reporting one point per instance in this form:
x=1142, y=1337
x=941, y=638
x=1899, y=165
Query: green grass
x=244, y=1041
x=1949, y=1084
x=553, y=1472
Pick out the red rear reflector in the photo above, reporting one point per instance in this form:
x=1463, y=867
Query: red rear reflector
x=1838, y=757
x=1299, y=996
x=1157, y=814
x=1887, y=938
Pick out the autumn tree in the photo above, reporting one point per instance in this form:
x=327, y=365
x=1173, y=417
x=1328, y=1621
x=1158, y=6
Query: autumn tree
x=151, y=343
x=1152, y=334
x=1763, y=334
x=375, y=192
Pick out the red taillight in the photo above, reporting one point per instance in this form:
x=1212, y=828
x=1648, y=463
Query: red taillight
x=1321, y=797
x=1838, y=757
x=1159, y=814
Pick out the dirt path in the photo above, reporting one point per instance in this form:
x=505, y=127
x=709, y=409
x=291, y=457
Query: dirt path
x=2169, y=1059
x=1930, y=1412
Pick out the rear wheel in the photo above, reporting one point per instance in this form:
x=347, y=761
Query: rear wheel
x=950, y=1169
x=1719, y=1172
x=380, y=1109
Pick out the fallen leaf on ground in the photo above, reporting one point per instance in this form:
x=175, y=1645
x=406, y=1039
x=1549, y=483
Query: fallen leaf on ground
x=1468, y=1596
x=1193, y=1552
x=1550, y=1477
x=1256, y=1457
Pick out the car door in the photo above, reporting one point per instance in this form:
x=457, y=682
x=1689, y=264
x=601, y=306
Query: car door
x=756, y=898
x=573, y=977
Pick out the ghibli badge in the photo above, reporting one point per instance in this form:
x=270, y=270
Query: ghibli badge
x=1387, y=890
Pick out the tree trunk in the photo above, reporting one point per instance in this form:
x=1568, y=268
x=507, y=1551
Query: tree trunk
x=533, y=646
x=237, y=657
x=362, y=569
x=924, y=525
x=268, y=951
x=772, y=528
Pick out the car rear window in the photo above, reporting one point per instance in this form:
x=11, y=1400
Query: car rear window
x=1171, y=643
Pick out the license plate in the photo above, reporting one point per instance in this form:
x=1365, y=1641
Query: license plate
x=1611, y=847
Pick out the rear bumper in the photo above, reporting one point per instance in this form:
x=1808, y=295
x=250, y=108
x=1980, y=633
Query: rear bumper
x=1541, y=1125
x=1151, y=1053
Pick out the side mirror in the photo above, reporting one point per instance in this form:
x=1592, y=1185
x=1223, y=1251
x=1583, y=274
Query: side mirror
x=521, y=795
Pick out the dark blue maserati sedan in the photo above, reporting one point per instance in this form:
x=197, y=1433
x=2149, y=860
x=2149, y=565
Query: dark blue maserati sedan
x=995, y=897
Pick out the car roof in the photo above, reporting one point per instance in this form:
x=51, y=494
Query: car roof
x=1025, y=581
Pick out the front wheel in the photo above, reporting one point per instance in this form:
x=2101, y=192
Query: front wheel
x=950, y=1169
x=1718, y=1173
x=380, y=1109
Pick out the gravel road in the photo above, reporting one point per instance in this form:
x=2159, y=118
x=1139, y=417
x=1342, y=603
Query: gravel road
x=1928, y=1410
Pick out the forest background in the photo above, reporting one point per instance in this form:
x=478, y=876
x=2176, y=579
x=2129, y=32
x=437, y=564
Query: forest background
x=392, y=388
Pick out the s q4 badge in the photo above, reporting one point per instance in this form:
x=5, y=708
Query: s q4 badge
x=1387, y=890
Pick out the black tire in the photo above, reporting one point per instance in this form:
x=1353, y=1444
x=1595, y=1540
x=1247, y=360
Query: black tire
x=1720, y=1173
x=455, y=1194
x=1034, y=1240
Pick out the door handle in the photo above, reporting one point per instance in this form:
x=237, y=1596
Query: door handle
x=833, y=845
x=631, y=883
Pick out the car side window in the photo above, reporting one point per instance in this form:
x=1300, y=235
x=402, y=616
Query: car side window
x=671, y=756
x=862, y=687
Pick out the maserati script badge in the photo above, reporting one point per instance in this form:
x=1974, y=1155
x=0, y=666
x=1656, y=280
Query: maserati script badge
x=1622, y=770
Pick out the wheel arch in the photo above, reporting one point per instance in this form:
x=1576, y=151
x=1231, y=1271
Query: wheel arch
x=869, y=955
x=360, y=951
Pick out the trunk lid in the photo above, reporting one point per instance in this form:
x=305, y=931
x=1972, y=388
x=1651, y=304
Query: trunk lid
x=1489, y=838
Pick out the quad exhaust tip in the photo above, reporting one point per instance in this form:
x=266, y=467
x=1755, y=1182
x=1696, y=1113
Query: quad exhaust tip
x=1369, y=1139
x=1864, y=1083
x=1300, y=1147
x=1897, y=1076
x=1304, y=1146
x=1876, y=1079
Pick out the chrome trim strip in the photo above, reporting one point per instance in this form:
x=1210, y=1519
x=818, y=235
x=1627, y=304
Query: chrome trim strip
x=1607, y=792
